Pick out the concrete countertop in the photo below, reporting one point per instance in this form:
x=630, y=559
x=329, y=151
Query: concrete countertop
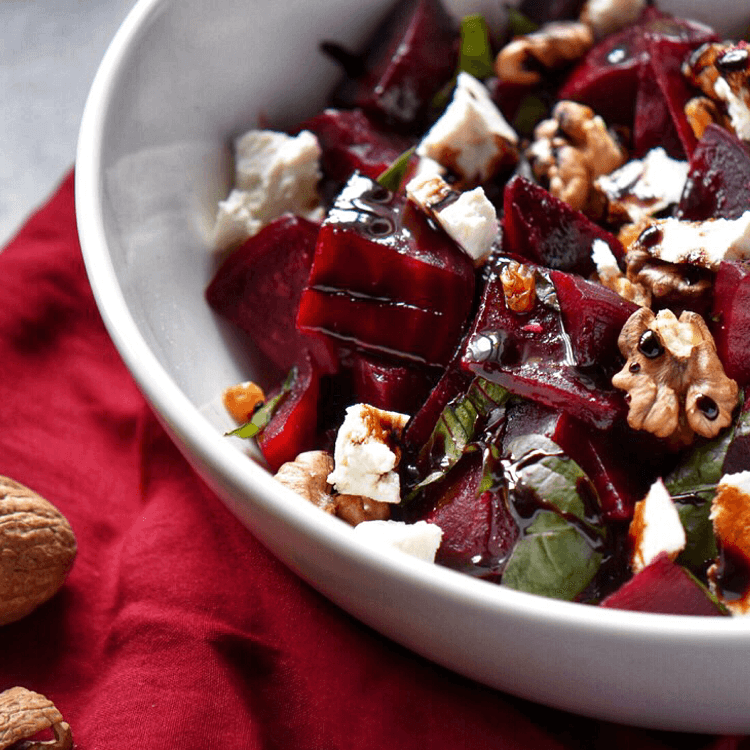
x=49, y=53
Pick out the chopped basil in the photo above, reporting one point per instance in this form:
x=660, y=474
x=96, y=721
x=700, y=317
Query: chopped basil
x=692, y=485
x=393, y=176
x=560, y=551
x=475, y=55
x=262, y=416
x=553, y=558
x=459, y=425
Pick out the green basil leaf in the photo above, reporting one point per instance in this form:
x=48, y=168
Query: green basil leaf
x=392, y=177
x=700, y=471
x=459, y=425
x=475, y=54
x=700, y=544
x=557, y=480
x=552, y=559
x=263, y=415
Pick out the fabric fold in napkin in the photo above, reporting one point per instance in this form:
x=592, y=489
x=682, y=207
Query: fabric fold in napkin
x=176, y=628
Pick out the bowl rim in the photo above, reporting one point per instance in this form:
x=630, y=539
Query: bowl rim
x=255, y=484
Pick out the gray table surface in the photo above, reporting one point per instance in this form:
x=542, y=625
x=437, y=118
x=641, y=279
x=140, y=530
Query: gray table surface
x=49, y=53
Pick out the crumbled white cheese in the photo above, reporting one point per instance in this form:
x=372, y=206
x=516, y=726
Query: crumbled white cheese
x=469, y=218
x=656, y=528
x=646, y=186
x=703, y=243
x=365, y=455
x=471, y=137
x=603, y=257
x=740, y=481
x=275, y=173
x=420, y=539
x=607, y=16
x=739, y=113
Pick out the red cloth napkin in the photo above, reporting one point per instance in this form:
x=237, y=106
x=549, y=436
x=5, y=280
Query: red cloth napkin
x=175, y=626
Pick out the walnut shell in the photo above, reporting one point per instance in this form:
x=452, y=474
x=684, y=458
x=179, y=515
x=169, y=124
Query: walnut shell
x=24, y=713
x=37, y=549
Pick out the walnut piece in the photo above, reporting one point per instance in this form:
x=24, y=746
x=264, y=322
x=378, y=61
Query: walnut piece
x=242, y=400
x=675, y=381
x=308, y=474
x=570, y=150
x=519, y=286
x=721, y=70
x=24, y=713
x=606, y=17
x=527, y=58
x=38, y=549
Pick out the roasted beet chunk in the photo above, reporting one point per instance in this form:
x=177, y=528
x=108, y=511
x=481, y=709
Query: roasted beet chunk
x=258, y=289
x=718, y=183
x=293, y=426
x=410, y=58
x=731, y=316
x=666, y=588
x=478, y=528
x=385, y=280
x=620, y=63
x=530, y=355
x=593, y=317
x=546, y=230
x=351, y=143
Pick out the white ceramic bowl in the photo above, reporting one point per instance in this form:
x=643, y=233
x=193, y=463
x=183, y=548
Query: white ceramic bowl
x=178, y=81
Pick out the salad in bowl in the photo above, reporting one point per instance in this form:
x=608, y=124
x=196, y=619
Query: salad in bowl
x=432, y=319
x=509, y=305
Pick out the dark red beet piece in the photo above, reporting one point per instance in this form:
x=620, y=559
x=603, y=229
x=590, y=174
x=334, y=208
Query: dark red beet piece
x=528, y=354
x=660, y=106
x=478, y=529
x=547, y=231
x=385, y=280
x=593, y=317
x=731, y=311
x=395, y=387
x=351, y=143
x=621, y=463
x=258, y=289
x=664, y=588
x=718, y=183
x=293, y=427
x=410, y=58
x=615, y=63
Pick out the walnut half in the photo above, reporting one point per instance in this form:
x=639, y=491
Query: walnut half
x=675, y=381
x=308, y=474
x=24, y=713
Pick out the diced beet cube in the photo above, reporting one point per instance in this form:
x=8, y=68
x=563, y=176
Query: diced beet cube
x=394, y=387
x=258, y=289
x=593, y=317
x=731, y=310
x=410, y=58
x=621, y=463
x=351, y=143
x=615, y=64
x=547, y=231
x=385, y=280
x=293, y=427
x=478, y=529
x=660, y=118
x=528, y=353
x=718, y=183
x=664, y=588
